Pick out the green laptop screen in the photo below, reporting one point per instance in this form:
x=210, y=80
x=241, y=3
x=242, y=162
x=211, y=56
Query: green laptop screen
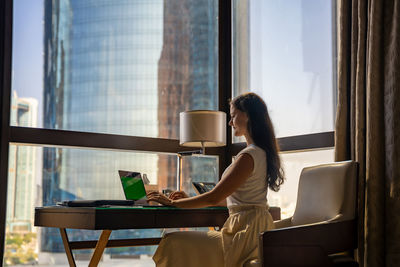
x=133, y=187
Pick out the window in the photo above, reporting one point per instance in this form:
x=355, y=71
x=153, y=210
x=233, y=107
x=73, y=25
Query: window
x=116, y=67
x=63, y=178
x=284, y=52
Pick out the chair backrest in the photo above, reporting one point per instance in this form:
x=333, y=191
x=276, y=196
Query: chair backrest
x=326, y=192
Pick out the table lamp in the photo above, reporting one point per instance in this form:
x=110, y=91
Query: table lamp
x=200, y=128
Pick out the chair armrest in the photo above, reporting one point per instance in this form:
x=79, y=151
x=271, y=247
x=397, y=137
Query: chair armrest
x=288, y=221
x=307, y=245
x=338, y=217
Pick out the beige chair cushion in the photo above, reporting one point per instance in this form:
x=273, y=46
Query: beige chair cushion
x=326, y=192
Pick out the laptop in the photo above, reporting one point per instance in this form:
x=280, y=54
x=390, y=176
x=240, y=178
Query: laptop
x=133, y=187
x=134, y=191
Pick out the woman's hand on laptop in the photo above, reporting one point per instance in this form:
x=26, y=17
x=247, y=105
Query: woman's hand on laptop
x=178, y=195
x=160, y=198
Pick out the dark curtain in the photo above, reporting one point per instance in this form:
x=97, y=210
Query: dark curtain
x=368, y=120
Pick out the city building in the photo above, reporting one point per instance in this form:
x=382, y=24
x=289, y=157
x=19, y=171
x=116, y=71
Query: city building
x=190, y=41
x=100, y=75
x=22, y=169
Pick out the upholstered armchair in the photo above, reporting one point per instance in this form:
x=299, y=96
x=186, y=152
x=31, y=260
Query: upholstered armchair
x=324, y=222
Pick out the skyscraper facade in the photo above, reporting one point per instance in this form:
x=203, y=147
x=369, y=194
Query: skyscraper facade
x=190, y=41
x=22, y=169
x=100, y=76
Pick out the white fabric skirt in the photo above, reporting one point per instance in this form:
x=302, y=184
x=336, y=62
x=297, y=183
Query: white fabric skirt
x=236, y=243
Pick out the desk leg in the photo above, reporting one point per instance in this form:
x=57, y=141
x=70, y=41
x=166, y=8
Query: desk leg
x=100, y=246
x=67, y=247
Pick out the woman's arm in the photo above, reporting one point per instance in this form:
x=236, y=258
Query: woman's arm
x=240, y=170
x=222, y=203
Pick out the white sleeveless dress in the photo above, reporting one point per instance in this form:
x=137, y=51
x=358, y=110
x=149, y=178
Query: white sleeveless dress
x=237, y=242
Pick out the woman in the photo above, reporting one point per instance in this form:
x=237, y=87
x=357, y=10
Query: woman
x=243, y=185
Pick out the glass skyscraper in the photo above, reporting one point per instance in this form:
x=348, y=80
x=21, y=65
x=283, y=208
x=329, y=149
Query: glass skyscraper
x=191, y=83
x=22, y=169
x=109, y=66
x=100, y=76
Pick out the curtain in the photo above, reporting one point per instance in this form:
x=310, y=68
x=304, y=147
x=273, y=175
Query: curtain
x=368, y=120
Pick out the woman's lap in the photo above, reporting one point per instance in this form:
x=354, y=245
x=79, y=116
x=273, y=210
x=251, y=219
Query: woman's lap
x=232, y=246
x=190, y=248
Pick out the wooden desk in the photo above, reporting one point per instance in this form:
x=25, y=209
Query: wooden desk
x=108, y=219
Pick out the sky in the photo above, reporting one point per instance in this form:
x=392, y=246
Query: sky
x=291, y=63
x=27, y=58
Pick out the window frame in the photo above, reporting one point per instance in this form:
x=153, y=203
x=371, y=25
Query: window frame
x=14, y=135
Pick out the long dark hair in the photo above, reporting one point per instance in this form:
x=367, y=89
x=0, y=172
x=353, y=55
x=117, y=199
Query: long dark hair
x=262, y=132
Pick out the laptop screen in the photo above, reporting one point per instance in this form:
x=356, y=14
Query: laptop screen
x=132, y=184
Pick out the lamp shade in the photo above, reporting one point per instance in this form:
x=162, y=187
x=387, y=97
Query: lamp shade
x=202, y=128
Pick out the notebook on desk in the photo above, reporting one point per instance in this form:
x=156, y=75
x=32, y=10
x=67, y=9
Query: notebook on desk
x=134, y=191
